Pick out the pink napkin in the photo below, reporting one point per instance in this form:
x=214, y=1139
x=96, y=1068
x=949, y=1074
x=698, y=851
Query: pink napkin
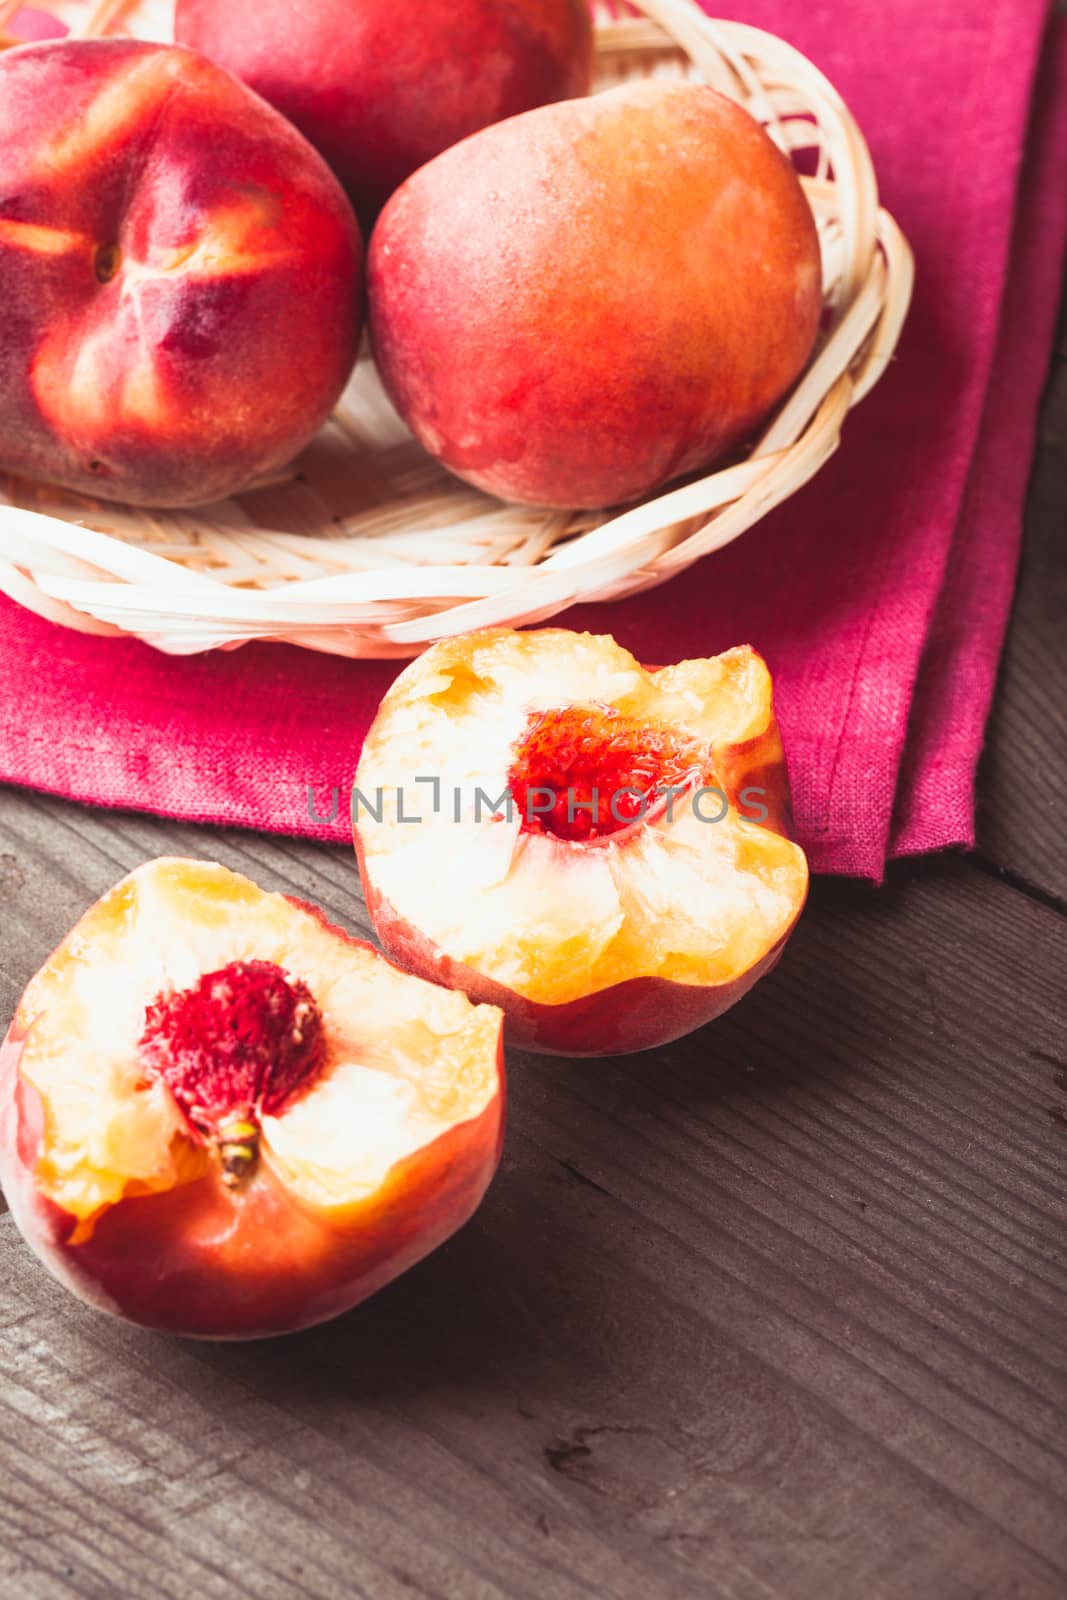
x=879, y=594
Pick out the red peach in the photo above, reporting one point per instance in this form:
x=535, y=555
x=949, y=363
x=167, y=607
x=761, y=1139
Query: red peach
x=578, y=305
x=180, y=273
x=381, y=86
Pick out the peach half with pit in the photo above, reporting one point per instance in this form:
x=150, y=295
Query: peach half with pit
x=221, y=1116
x=601, y=850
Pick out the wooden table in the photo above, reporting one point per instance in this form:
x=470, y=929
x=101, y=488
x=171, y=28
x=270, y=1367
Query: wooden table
x=779, y=1313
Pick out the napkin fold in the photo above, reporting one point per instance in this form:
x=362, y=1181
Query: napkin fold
x=879, y=594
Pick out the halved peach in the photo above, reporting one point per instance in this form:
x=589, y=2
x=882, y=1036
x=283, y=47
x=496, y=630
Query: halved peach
x=599, y=849
x=220, y=1116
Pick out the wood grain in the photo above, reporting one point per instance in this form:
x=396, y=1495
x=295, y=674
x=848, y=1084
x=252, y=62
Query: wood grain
x=1023, y=815
x=778, y=1311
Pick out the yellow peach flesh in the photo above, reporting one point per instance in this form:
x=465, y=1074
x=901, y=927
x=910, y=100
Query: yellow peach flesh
x=406, y=1061
x=679, y=898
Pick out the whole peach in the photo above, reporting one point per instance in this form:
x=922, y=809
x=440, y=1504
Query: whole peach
x=180, y=274
x=381, y=86
x=582, y=303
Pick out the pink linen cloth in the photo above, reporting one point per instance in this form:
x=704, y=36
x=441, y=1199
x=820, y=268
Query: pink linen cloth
x=879, y=594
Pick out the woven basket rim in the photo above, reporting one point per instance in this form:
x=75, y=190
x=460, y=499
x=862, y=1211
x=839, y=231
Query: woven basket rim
x=220, y=577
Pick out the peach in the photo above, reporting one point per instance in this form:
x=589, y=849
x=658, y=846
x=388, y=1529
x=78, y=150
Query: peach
x=381, y=86
x=180, y=274
x=582, y=303
x=600, y=850
x=222, y=1117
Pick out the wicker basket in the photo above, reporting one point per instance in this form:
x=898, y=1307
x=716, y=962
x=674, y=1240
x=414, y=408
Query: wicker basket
x=367, y=547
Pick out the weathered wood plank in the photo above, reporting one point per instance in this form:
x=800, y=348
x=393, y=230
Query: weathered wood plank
x=1023, y=788
x=778, y=1312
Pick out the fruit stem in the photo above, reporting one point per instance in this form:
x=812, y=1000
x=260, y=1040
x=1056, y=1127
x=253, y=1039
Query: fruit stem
x=238, y=1147
x=236, y=1046
x=106, y=262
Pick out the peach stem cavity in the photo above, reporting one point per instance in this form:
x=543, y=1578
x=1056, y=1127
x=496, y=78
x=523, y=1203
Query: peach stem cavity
x=583, y=773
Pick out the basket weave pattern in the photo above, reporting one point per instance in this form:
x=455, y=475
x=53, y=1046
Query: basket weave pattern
x=366, y=547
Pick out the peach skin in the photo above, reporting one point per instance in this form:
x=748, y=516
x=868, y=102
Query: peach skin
x=583, y=303
x=381, y=86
